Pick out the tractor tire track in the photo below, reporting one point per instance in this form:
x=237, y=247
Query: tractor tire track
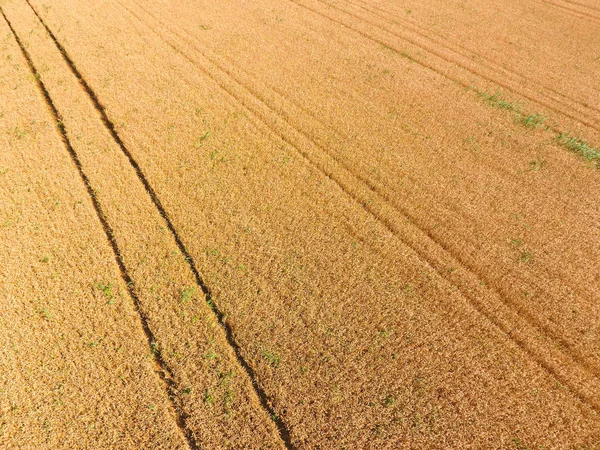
x=380, y=188
x=230, y=79
x=308, y=129
x=313, y=128
x=584, y=5
x=574, y=11
x=550, y=104
x=161, y=367
x=219, y=315
x=389, y=216
x=467, y=63
x=466, y=53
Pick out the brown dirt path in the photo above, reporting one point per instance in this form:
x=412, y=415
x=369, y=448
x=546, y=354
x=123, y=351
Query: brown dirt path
x=212, y=394
x=392, y=254
x=75, y=371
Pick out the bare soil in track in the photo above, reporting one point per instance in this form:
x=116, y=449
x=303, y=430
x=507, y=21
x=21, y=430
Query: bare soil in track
x=346, y=224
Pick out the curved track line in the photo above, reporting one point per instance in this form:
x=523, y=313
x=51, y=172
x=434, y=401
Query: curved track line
x=468, y=53
x=434, y=52
x=391, y=226
x=162, y=368
x=373, y=186
x=221, y=62
x=216, y=61
x=534, y=322
x=432, y=67
x=220, y=316
x=578, y=13
x=583, y=5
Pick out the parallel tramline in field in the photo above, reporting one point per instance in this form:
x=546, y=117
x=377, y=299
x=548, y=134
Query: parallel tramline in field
x=299, y=224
